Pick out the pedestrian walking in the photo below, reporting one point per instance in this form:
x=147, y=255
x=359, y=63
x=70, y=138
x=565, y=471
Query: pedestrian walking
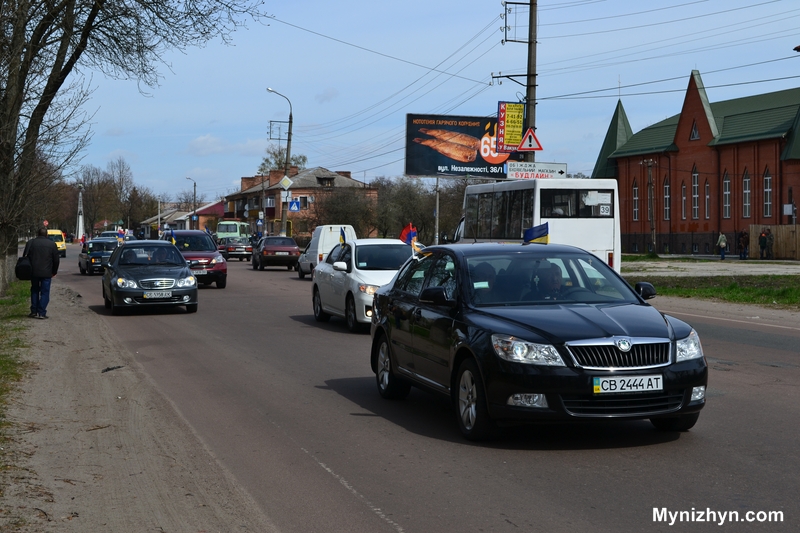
x=722, y=242
x=762, y=244
x=44, y=256
x=770, y=243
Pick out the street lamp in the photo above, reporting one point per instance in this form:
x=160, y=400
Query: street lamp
x=194, y=205
x=288, y=157
x=80, y=229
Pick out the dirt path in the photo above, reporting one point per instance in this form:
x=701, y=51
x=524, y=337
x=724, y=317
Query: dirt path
x=96, y=449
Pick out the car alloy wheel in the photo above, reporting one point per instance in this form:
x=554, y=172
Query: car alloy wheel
x=350, y=315
x=389, y=386
x=319, y=314
x=473, y=416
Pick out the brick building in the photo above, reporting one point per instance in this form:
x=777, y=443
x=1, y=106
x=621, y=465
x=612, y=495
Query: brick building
x=723, y=166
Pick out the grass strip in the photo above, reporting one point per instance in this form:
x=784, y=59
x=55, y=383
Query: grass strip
x=768, y=290
x=14, y=308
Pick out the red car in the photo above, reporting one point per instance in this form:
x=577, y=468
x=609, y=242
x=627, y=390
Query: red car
x=276, y=251
x=207, y=263
x=235, y=247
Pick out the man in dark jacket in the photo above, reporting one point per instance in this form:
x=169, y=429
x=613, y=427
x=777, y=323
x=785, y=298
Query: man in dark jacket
x=44, y=257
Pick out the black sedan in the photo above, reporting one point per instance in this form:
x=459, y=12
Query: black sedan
x=541, y=332
x=147, y=274
x=95, y=253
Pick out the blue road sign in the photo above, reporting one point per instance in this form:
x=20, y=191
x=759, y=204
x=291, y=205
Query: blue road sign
x=294, y=206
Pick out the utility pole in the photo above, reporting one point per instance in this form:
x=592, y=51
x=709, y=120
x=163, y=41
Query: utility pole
x=530, y=93
x=288, y=160
x=194, y=205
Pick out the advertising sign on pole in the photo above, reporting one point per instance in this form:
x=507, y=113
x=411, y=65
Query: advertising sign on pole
x=524, y=171
x=510, y=125
x=446, y=145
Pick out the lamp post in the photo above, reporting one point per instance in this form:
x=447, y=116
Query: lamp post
x=79, y=230
x=194, y=205
x=288, y=157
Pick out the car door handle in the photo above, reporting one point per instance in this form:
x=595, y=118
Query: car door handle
x=417, y=312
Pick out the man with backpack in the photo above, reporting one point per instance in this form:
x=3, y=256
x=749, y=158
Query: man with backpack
x=44, y=257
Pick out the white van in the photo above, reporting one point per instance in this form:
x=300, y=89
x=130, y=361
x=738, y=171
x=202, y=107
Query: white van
x=322, y=241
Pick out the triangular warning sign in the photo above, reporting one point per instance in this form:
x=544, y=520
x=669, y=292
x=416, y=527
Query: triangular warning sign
x=529, y=142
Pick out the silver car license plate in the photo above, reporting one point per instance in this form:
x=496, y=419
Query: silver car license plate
x=154, y=295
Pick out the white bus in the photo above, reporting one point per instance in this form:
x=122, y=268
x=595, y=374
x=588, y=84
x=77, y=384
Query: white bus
x=579, y=212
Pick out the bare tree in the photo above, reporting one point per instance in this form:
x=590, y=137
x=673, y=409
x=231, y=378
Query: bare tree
x=276, y=160
x=42, y=43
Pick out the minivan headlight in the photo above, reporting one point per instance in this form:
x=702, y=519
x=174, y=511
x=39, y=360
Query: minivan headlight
x=519, y=351
x=218, y=259
x=689, y=348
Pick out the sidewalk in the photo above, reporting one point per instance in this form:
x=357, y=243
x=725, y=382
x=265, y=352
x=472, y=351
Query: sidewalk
x=708, y=265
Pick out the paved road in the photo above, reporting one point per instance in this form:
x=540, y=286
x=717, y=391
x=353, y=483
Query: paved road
x=289, y=407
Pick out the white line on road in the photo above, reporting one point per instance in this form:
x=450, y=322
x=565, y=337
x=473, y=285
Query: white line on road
x=731, y=320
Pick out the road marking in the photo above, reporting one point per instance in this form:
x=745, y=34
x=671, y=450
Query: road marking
x=731, y=320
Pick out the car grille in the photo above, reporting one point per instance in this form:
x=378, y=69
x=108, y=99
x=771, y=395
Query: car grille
x=157, y=283
x=150, y=301
x=609, y=356
x=623, y=404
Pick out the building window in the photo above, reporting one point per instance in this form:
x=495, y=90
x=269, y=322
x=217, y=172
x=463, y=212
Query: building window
x=666, y=199
x=746, y=194
x=303, y=202
x=635, y=247
x=708, y=200
x=767, y=194
x=726, y=196
x=635, y=201
x=695, y=135
x=695, y=194
x=683, y=201
x=270, y=201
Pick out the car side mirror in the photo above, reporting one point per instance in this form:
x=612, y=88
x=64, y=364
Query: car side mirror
x=341, y=266
x=645, y=290
x=435, y=296
x=444, y=239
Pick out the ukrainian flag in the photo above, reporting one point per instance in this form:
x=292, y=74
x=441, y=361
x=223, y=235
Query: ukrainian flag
x=341, y=235
x=172, y=236
x=539, y=233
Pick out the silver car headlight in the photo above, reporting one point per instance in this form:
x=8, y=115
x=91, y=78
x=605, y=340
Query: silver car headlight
x=123, y=283
x=519, y=351
x=189, y=281
x=689, y=348
x=368, y=289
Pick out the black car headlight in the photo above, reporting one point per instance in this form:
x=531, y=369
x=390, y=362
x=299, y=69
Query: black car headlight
x=689, y=348
x=123, y=283
x=520, y=351
x=188, y=281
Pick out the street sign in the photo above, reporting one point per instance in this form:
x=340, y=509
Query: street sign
x=285, y=183
x=518, y=170
x=259, y=222
x=529, y=142
x=286, y=196
x=45, y=223
x=294, y=206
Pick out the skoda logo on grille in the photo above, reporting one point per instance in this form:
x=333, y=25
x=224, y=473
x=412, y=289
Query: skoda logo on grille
x=624, y=345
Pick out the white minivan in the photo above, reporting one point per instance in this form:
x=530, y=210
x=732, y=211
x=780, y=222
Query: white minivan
x=323, y=240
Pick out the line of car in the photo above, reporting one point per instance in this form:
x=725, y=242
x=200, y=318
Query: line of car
x=511, y=334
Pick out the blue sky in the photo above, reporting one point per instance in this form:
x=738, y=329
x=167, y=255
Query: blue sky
x=353, y=70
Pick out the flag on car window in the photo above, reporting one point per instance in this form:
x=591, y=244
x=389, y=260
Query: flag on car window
x=408, y=234
x=341, y=235
x=172, y=236
x=539, y=233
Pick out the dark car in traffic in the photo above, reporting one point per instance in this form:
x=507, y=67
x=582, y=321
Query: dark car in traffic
x=207, y=263
x=236, y=248
x=148, y=274
x=94, y=254
x=516, y=334
x=275, y=251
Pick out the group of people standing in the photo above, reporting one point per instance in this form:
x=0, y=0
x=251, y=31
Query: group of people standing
x=766, y=241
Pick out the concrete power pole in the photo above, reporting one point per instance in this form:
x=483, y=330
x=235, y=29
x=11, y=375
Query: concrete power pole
x=530, y=93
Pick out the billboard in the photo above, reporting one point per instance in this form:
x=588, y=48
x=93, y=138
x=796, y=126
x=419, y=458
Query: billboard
x=448, y=145
x=510, y=125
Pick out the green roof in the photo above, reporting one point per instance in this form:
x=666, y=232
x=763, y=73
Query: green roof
x=619, y=131
x=752, y=118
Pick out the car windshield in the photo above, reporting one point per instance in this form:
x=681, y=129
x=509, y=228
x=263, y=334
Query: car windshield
x=109, y=246
x=151, y=256
x=56, y=238
x=382, y=256
x=195, y=243
x=236, y=240
x=279, y=241
x=521, y=279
